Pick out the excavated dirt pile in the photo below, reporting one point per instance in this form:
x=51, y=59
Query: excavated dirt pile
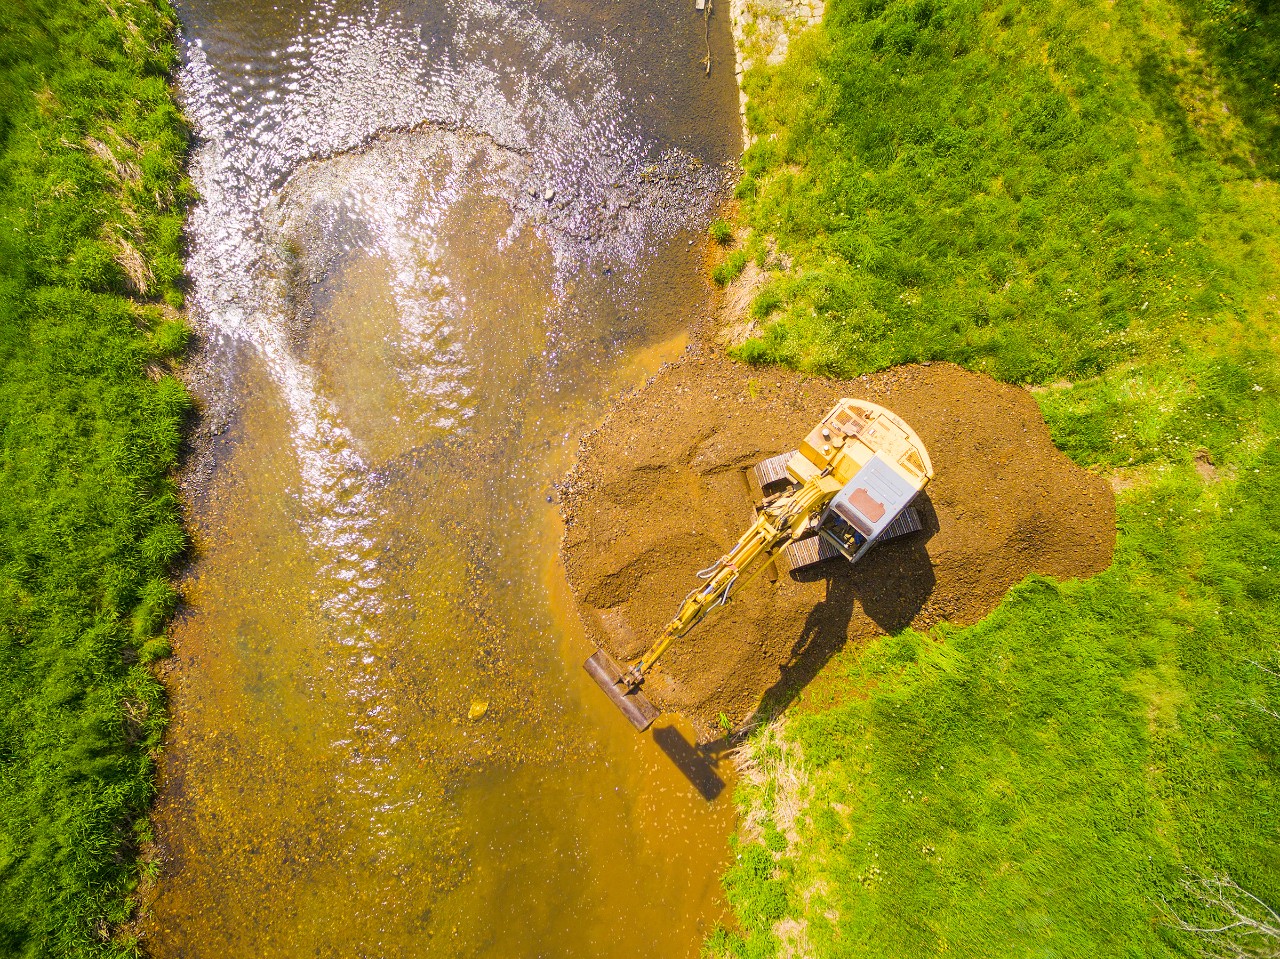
x=660, y=491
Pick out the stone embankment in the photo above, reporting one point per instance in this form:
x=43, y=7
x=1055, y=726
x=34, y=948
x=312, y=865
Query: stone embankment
x=762, y=32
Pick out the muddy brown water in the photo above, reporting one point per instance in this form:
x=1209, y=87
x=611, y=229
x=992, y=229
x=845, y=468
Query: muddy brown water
x=432, y=240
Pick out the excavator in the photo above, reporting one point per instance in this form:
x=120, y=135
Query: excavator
x=848, y=486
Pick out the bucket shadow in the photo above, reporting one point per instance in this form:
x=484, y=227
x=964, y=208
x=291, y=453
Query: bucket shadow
x=891, y=584
x=694, y=762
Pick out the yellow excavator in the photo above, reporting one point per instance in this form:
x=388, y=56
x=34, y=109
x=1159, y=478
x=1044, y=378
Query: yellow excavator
x=848, y=486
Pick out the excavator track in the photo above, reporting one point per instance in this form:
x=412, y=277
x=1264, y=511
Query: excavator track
x=815, y=549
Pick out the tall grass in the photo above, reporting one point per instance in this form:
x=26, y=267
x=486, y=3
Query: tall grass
x=91, y=206
x=1075, y=194
x=992, y=184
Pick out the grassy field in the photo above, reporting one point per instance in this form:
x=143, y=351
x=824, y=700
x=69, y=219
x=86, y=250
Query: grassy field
x=91, y=205
x=1080, y=196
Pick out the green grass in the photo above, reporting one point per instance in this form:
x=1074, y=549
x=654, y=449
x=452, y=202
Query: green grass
x=996, y=186
x=1076, y=194
x=730, y=268
x=91, y=206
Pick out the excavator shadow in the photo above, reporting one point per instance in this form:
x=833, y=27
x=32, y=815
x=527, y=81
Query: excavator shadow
x=891, y=585
x=695, y=762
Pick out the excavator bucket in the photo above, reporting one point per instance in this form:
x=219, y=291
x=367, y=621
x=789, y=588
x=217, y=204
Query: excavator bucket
x=608, y=676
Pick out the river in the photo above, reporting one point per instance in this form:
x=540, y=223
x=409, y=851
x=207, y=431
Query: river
x=432, y=240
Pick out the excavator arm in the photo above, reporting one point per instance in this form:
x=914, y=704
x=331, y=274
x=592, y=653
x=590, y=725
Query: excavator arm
x=778, y=524
x=782, y=521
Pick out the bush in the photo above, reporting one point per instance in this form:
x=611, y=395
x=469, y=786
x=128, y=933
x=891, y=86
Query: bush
x=732, y=267
x=721, y=232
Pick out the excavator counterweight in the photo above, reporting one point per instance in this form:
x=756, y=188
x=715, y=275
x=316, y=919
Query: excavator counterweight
x=849, y=484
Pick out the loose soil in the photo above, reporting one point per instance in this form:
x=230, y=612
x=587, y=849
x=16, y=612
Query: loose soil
x=660, y=491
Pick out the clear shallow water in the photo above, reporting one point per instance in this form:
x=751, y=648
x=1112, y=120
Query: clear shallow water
x=432, y=239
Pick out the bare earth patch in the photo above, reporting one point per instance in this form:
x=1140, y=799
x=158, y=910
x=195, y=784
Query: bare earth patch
x=660, y=491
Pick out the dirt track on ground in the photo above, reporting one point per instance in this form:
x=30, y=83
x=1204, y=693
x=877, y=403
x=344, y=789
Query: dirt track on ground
x=660, y=491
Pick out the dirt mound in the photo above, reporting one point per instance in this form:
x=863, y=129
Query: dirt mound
x=660, y=491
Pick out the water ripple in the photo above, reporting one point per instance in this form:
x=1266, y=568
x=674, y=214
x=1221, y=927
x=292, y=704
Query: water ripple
x=362, y=119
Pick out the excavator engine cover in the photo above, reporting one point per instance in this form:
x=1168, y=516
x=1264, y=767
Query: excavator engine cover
x=633, y=703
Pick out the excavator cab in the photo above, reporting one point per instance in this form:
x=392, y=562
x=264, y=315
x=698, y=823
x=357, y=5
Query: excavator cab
x=884, y=465
x=866, y=508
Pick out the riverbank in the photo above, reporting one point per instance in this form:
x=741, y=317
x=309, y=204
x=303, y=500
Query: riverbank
x=92, y=197
x=1082, y=200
